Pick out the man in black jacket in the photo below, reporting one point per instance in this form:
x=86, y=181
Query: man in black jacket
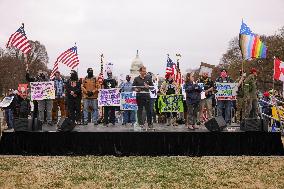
x=141, y=85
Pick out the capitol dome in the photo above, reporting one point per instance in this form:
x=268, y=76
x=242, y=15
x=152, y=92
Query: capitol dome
x=136, y=65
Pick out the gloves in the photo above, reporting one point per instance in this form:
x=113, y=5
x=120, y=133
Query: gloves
x=90, y=93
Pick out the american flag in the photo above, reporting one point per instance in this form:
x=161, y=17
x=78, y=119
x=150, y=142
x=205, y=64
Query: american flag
x=69, y=58
x=170, y=66
x=20, y=41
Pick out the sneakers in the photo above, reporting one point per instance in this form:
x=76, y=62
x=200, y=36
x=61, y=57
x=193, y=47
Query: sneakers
x=85, y=123
x=190, y=127
x=95, y=123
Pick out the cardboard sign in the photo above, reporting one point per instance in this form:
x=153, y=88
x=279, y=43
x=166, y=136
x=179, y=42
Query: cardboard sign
x=204, y=69
x=109, y=97
x=226, y=91
x=128, y=101
x=170, y=103
x=42, y=90
x=6, y=101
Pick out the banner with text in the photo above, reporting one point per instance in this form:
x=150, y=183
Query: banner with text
x=128, y=101
x=226, y=91
x=42, y=90
x=170, y=103
x=109, y=97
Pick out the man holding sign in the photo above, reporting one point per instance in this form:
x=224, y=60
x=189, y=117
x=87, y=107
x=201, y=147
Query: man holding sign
x=109, y=111
x=224, y=105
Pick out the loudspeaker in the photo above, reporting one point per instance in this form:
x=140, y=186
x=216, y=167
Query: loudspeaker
x=251, y=124
x=65, y=125
x=22, y=124
x=216, y=124
x=27, y=124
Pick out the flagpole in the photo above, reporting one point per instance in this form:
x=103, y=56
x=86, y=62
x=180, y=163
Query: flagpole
x=25, y=55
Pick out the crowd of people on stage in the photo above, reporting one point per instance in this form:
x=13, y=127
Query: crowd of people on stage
x=78, y=99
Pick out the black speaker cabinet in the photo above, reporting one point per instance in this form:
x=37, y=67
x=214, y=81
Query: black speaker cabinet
x=251, y=124
x=65, y=125
x=216, y=124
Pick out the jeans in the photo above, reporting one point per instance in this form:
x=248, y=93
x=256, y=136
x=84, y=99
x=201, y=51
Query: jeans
x=192, y=110
x=93, y=104
x=128, y=116
x=143, y=101
x=9, y=118
x=224, y=109
x=45, y=105
x=206, y=103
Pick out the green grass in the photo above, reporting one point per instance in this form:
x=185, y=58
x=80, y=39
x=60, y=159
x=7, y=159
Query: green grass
x=141, y=172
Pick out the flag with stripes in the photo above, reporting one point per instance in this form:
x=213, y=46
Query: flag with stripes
x=170, y=66
x=20, y=41
x=69, y=58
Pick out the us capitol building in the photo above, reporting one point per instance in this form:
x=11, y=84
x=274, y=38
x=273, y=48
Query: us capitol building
x=135, y=66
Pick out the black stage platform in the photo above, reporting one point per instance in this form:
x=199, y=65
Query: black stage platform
x=125, y=141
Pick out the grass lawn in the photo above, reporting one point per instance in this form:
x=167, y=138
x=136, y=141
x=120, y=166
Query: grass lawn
x=141, y=172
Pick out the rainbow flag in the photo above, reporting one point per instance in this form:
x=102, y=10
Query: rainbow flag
x=250, y=44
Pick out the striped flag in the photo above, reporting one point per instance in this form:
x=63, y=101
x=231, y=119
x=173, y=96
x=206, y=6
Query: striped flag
x=20, y=41
x=250, y=44
x=170, y=66
x=69, y=58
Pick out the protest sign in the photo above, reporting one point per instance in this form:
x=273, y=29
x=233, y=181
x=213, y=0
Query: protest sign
x=109, y=97
x=42, y=90
x=277, y=113
x=128, y=101
x=6, y=101
x=226, y=91
x=154, y=91
x=170, y=103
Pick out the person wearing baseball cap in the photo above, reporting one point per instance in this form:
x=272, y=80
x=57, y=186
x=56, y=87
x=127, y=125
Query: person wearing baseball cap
x=250, y=95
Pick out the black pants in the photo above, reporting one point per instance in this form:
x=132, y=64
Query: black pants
x=143, y=101
x=171, y=114
x=109, y=114
x=74, y=109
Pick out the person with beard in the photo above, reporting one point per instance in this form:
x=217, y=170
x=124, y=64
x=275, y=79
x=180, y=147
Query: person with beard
x=73, y=94
x=59, y=97
x=142, y=85
x=41, y=105
x=128, y=115
x=206, y=102
x=170, y=87
x=224, y=106
x=250, y=95
x=109, y=111
x=90, y=90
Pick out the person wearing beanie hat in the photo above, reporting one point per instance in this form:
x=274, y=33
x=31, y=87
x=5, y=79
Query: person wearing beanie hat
x=73, y=94
x=90, y=91
x=169, y=87
x=224, y=106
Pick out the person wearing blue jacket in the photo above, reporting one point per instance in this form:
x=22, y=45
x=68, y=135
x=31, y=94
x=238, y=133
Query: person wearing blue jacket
x=193, y=97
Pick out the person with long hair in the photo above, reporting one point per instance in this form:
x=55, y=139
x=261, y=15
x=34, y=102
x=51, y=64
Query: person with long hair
x=73, y=93
x=193, y=97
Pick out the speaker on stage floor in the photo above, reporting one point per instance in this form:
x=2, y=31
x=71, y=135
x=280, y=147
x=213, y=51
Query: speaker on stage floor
x=251, y=124
x=216, y=124
x=65, y=125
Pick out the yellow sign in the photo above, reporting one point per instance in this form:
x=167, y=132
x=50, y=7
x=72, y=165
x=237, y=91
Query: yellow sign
x=276, y=112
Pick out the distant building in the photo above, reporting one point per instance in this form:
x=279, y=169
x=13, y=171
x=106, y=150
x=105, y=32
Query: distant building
x=135, y=66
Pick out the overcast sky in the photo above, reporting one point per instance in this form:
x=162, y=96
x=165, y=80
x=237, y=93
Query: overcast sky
x=198, y=30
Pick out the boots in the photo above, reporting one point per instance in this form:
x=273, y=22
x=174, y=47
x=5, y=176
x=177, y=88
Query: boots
x=169, y=122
